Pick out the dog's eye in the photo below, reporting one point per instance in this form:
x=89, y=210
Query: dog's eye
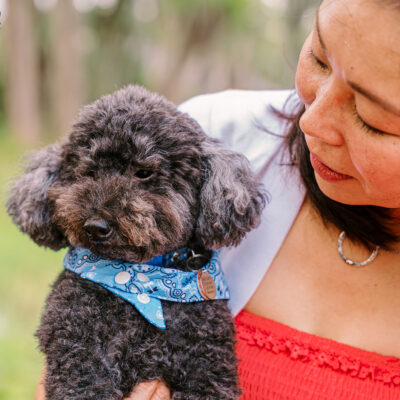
x=143, y=173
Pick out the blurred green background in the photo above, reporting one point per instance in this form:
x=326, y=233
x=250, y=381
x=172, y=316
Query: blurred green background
x=57, y=55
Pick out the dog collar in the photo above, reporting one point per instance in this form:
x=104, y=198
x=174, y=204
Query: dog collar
x=145, y=285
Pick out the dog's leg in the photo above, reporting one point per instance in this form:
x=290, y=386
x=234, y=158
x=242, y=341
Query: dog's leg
x=71, y=381
x=74, y=336
x=202, y=359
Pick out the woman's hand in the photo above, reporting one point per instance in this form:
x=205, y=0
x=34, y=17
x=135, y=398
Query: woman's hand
x=153, y=390
x=40, y=393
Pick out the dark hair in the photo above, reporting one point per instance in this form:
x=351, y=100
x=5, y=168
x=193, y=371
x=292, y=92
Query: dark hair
x=369, y=225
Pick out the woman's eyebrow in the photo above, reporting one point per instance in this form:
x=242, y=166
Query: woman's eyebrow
x=364, y=92
x=383, y=103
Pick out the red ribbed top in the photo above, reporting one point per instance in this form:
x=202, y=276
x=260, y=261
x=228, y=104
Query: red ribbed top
x=277, y=362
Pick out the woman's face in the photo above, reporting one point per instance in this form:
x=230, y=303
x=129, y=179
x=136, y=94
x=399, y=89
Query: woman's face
x=348, y=77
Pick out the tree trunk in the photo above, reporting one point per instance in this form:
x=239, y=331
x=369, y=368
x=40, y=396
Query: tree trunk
x=67, y=66
x=22, y=72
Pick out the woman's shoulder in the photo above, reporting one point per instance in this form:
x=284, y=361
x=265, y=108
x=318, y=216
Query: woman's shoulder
x=232, y=104
x=243, y=120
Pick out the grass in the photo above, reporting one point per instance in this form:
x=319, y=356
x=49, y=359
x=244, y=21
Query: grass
x=26, y=271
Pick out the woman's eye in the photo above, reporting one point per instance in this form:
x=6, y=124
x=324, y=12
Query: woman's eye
x=143, y=173
x=317, y=61
x=364, y=125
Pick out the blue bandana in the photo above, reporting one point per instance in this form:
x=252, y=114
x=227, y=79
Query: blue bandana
x=144, y=285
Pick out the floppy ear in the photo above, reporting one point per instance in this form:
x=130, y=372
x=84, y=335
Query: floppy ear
x=231, y=200
x=29, y=206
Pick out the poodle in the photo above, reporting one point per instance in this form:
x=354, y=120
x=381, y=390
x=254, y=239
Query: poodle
x=137, y=189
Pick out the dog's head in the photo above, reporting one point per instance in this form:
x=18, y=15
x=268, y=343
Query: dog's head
x=136, y=178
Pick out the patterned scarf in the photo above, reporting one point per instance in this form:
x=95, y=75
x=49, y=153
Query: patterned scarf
x=145, y=285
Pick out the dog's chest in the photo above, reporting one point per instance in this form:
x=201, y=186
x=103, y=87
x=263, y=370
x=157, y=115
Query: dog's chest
x=86, y=326
x=102, y=314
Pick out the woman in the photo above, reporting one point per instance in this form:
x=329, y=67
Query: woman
x=312, y=325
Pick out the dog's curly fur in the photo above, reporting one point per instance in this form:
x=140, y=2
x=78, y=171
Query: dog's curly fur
x=148, y=172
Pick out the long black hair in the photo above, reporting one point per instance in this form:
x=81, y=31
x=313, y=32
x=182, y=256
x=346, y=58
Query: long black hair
x=369, y=225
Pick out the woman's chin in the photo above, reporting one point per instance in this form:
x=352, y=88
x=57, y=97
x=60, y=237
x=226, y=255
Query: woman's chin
x=350, y=192
x=341, y=191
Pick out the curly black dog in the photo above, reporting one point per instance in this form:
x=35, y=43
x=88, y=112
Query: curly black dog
x=136, y=178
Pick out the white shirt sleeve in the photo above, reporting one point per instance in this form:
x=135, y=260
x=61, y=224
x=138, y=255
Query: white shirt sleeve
x=239, y=119
x=235, y=118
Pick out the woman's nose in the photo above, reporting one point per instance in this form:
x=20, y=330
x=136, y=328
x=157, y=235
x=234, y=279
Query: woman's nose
x=322, y=118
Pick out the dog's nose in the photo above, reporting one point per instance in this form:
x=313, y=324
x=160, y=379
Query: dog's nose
x=97, y=229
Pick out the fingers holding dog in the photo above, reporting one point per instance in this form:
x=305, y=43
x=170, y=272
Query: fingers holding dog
x=153, y=390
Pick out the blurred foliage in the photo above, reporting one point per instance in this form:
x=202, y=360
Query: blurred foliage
x=177, y=47
x=26, y=271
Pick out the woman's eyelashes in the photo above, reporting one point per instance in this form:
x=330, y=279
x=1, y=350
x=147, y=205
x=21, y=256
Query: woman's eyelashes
x=316, y=61
x=364, y=125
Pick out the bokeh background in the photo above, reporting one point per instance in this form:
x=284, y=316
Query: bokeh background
x=56, y=55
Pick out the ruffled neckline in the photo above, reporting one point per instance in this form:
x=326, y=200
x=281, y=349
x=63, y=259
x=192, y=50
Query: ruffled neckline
x=323, y=352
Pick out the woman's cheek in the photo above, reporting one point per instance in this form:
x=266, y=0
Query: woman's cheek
x=371, y=163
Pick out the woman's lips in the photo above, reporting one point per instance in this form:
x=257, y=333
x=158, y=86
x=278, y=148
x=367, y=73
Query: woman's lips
x=325, y=172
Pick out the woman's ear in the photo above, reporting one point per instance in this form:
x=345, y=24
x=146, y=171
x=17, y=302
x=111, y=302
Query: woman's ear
x=231, y=200
x=29, y=205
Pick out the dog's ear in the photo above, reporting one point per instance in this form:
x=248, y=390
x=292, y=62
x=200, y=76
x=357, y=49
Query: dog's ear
x=231, y=200
x=29, y=206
